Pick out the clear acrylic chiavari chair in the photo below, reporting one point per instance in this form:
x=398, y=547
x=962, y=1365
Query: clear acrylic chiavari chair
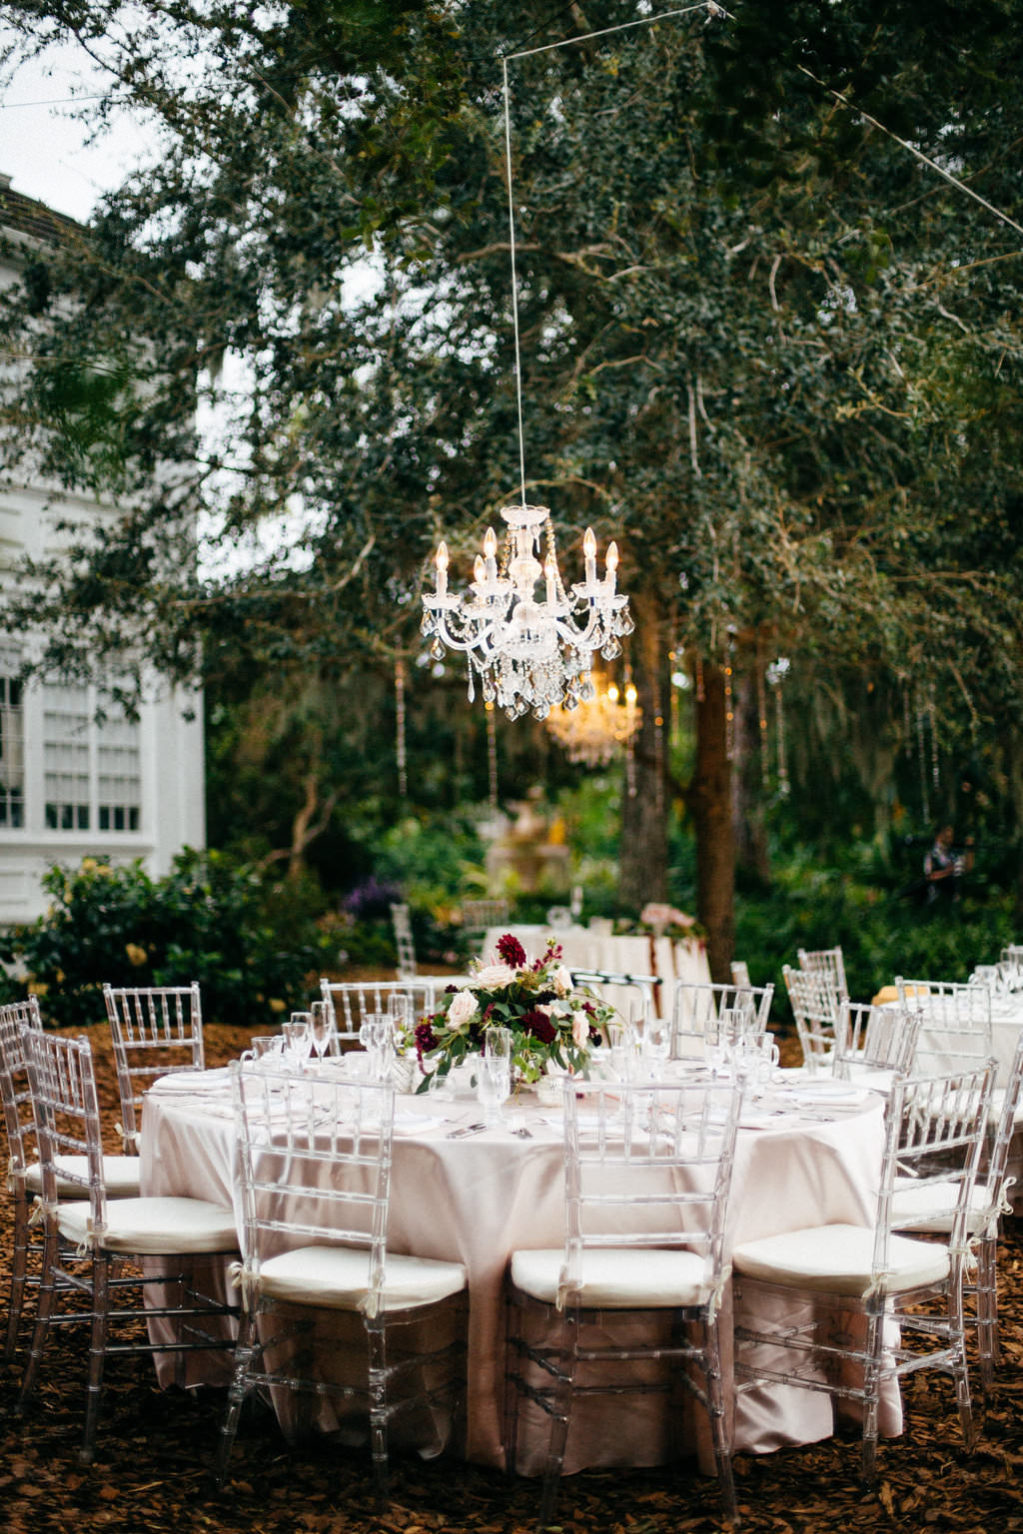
x=707, y=1016
x=156, y=1031
x=24, y=1173
x=875, y=1044
x=828, y=965
x=797, y=1296
x=315, y=1185
x=94, y=1246
x=647, y=1176
x=350, y=1001
x=815, y=1007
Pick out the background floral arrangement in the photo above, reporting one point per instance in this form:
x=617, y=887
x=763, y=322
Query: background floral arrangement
x=552, y=1024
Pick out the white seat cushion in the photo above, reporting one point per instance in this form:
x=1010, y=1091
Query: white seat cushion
x=618, y=1277
x=120, y=1176
x=337, y=1277
x=997, y=1106
x=926, y=1207
x=837, y=1259
x=154, y=1227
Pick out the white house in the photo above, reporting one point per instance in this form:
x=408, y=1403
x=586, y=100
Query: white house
x=69, y=787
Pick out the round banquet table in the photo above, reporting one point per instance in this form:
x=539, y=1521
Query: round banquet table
x=475, y=1199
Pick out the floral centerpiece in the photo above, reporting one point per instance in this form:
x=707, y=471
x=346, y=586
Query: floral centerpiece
x=552, y=1024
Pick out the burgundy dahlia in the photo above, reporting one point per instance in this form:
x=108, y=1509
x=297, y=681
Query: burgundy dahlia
x=540, y=1026
x=511, y=951
x=426, y=1039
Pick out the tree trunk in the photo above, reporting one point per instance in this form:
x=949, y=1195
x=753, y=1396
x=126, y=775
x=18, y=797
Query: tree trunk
x=748, y=828
x=710, y=801
x=643, y=855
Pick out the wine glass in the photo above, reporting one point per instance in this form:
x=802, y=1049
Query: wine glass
x=298, y=1038
x=493, y=1081
x=375, y=1032
x=321, y=1029
x=656, y=1043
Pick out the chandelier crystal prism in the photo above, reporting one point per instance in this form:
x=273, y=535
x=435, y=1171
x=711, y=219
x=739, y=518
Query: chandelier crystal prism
x=600, y=727
x=531, y=652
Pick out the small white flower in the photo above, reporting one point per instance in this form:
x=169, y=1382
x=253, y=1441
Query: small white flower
x=561, y=979
x=580, y=1029
x=491, y=977
x=463, y=1005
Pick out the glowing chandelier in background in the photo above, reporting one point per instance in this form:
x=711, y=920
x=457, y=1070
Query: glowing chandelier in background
x=600, y=727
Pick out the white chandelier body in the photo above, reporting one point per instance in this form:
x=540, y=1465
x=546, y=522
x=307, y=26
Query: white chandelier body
x=531, y=653
x=597, y=730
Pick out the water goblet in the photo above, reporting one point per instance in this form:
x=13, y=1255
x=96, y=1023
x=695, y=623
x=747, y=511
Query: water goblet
x=493, y=1081
x=622, y=1042
x=298, y=1038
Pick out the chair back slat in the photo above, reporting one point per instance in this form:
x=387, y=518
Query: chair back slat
x=156, y=1031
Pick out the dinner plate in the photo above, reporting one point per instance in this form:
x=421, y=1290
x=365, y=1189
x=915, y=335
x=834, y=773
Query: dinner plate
x=828, y=1092
x=193, y=1081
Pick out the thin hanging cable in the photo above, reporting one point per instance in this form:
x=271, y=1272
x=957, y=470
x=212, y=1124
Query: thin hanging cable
x=918, y=153
x=514, y=281
x=644, y=21
x=712, y=9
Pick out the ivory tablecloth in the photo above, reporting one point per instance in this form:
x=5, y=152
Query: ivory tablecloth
x=475, y=1200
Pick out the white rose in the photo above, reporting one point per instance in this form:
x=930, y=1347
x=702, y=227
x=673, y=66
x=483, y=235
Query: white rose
x=491, y=977
x=463, y=1005
x=561, y=979
x=580, y=1029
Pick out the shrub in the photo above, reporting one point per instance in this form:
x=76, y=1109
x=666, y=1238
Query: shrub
x=252, y=946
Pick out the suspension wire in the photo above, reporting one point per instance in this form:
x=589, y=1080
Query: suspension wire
x=712, y=9
x=917, y=153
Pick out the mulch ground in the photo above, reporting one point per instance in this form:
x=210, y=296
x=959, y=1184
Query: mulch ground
x=156, y=1447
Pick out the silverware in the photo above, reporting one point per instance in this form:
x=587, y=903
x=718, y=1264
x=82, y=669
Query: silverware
x=466, y=1129
x=523, y=1133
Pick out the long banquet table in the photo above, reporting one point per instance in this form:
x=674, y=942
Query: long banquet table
x=476, y=1199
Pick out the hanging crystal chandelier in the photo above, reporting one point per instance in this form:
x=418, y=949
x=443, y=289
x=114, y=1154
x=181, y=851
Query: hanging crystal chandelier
x=597, y=730
x=529, y=653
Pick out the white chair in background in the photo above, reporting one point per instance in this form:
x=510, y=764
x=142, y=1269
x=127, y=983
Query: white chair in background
x=955, y=1024
x=794, y=1294
x=875, y=1044
x=828, y=964
x=706, y=1016
x=315, y=1181
x=647, y=1172
x=815, y=1007
x=401, y=921
x=348, y=1001
x=94, y=1246
x=156, y=1031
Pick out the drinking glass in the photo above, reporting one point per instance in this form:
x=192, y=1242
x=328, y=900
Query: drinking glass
x=622, y=1043
x=375, y=1033
x=298, y=1038
x=266, y=1045
x=321, y=1029
x=493, y=1080
x=656, y=1039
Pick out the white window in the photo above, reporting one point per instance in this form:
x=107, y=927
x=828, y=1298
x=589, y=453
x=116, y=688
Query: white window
x=92, y=772
x=66, y=758
x=12, y=744
x=120, y=777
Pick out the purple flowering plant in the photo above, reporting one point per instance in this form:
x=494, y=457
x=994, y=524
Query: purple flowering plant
x=552, y=1023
